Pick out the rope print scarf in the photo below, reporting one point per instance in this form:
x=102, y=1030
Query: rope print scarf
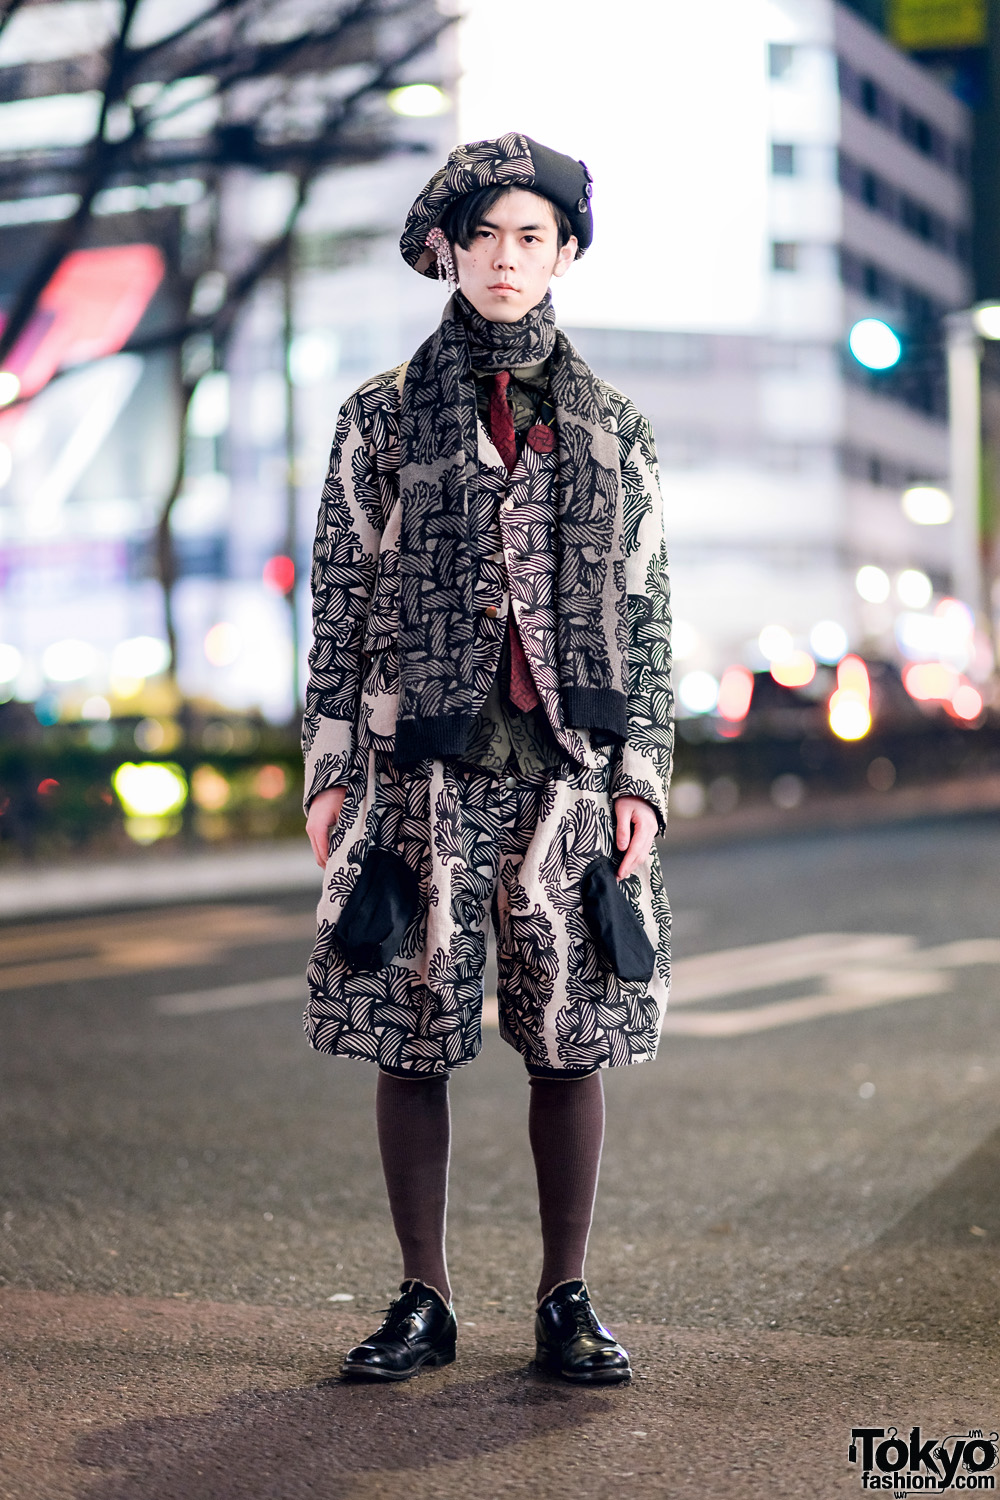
x=439, y=468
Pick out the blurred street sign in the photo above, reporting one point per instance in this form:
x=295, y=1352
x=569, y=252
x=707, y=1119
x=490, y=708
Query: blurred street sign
x=926, y=25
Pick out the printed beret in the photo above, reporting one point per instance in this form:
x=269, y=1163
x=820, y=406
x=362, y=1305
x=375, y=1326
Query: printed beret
x=511, y=161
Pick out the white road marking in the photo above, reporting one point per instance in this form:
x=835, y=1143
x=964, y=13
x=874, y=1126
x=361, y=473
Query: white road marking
x=734, y=971
x=234, y=996
x=853, y=970
x=875, y=987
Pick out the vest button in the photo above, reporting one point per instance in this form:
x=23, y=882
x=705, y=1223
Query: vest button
x=510, y=781
x=491, y=611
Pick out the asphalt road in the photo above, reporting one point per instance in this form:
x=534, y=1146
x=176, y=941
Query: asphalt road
x=798, y=1226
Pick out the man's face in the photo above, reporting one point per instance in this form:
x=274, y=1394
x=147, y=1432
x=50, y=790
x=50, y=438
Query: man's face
x=513, y=256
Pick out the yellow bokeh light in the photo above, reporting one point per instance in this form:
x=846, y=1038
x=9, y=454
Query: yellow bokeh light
x=850, y=716
x=151, y=789
x=796, y=670
x=10, y=387
x=418, y=100
x=852, y=677
x=927, y=505
x=210, y=789
x=223, y=644
x=127, y=687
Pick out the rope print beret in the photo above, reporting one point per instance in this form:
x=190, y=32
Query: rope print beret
x=511, y=161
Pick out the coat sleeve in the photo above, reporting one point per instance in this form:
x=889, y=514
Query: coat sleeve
x=352, y=514
x=641, y=767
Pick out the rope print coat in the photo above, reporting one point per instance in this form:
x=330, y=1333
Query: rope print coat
x=422, y=1011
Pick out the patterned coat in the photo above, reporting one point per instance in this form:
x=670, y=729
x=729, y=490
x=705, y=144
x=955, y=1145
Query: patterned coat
x=353, y=688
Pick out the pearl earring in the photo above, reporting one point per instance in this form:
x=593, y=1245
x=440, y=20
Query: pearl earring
x=438, y=242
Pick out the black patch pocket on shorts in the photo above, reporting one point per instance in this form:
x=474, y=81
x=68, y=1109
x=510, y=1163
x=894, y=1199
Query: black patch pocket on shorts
x=613, y=923
x=383, y=903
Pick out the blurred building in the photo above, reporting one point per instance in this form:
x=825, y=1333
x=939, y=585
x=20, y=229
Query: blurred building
x=766, y=175
x=86, y=466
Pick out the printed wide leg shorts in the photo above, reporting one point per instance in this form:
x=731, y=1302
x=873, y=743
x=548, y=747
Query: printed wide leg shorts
x=508, y=848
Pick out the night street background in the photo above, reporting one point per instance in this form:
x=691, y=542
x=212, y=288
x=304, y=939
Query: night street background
x=796, y=1233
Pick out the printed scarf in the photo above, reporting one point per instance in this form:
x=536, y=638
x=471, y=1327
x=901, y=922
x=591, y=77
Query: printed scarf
x=439, y=470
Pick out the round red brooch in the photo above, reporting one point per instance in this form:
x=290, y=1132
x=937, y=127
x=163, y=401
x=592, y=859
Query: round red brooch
x=541, y=438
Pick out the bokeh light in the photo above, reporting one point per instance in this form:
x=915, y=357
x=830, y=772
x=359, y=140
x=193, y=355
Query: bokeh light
x=828, y=640
x=926, y=505
x=270, y=782
x=279, y=574
x=698, y=692
x=10, y=387
x=852, y=677
x=152, y=735
x=312, y=357
x=151, y=789
x=946, y=635
x=419, y=101
x=775, y=643
x=794, y=671
x=986, y=320
x=850, y=705
x=95, y=709
x=6, y=464
x=930, y=681
x=140, y=656
x=209, y=788
x=881, y=774
x=10, y=663
x=850, y=716
x=967, y=702
x=735, y=693
x=208, y=414
x=68, y=661
x=914, y=588
x=872, y=584
x=687, y=798
x=223, y=644
x=874, y=344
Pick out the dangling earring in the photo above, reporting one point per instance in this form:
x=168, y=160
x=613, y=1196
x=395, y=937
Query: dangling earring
x=437, y=241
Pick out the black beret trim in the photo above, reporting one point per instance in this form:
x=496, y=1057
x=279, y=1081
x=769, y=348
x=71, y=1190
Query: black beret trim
x=513, y=161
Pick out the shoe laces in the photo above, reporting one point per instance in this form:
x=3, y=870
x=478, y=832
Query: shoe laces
x=585, y=1319
x=399, y=1309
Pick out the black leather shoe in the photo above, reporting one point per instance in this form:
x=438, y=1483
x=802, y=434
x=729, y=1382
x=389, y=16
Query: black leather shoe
x=571, y=1342
x=419, y=1329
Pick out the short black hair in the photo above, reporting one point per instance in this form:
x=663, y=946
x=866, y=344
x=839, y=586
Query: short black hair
x=462, y=218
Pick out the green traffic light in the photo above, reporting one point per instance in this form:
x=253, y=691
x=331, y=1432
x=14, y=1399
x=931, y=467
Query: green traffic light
x=874, y=344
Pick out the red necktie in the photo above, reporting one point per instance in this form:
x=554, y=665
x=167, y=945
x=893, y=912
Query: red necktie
x=523, y=693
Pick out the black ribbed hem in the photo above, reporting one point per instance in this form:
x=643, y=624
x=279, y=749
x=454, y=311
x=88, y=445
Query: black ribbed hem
x=427, y=739
x=536, y=1071
x=596, y=708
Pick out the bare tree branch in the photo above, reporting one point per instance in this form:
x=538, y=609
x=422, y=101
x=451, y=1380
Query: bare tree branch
x=343, y=134
x=7, y=11
x=71, y=232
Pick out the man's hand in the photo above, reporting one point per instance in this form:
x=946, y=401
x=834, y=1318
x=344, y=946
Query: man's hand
x=324, y=810
x=636, y=830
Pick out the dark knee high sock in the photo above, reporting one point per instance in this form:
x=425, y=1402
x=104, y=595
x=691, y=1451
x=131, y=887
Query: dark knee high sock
x=566, y=1130
x=414, y=1137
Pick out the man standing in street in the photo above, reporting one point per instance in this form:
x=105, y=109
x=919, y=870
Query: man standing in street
x=488, y=736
